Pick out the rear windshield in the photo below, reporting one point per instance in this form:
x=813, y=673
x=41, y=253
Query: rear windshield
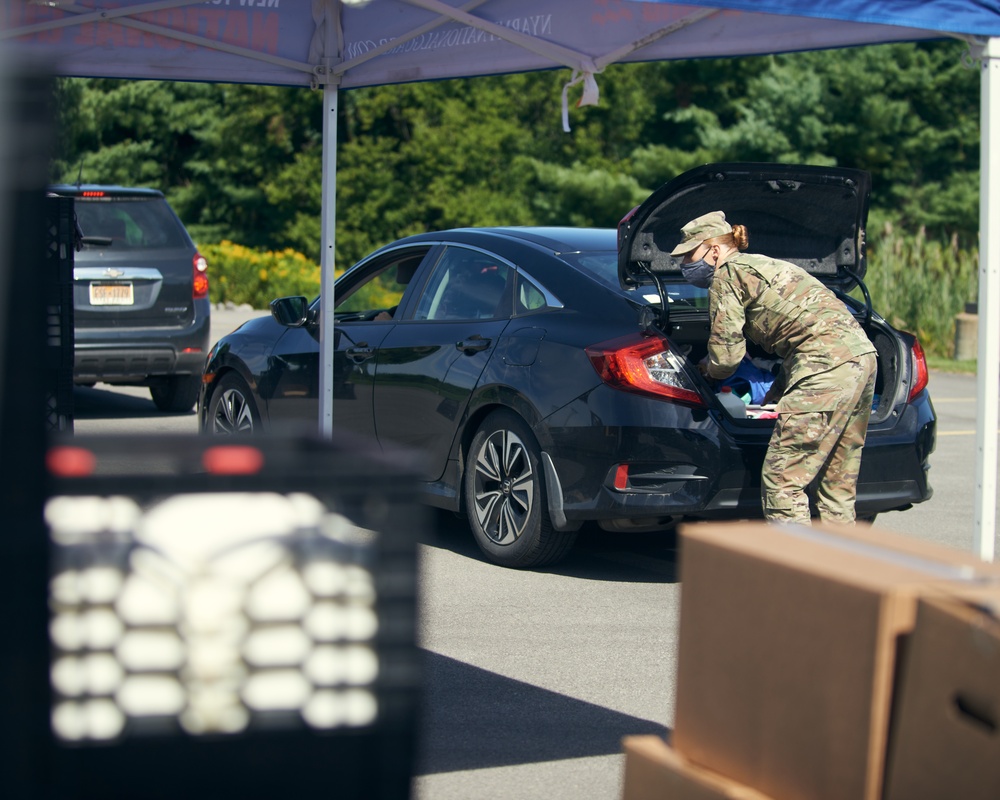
x=138, y=223
x=603, y=266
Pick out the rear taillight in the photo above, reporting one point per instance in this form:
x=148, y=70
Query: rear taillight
x=918, y=370
x=645, y=365
x=621, y=477
x=200, y=284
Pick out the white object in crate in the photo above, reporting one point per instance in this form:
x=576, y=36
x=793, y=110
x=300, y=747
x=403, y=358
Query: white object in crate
x=211, y=611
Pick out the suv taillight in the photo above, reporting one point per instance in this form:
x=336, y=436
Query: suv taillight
x=918, y=370
x=200, y=283
x=645, y=365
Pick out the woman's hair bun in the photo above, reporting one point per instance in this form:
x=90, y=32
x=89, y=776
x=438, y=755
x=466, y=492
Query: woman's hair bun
x=741, y=237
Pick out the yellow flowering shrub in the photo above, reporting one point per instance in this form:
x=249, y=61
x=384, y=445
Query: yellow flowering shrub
x=241, y=275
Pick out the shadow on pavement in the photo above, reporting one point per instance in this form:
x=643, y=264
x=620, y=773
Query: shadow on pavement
x=597, y=555
x=633, y=557
x=95, y=403
x=476, y=719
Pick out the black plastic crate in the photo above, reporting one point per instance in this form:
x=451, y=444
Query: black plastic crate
x=60, y=239
x=26, y=139
x=231, y=618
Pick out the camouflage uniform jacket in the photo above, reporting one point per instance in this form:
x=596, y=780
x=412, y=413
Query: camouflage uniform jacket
x=786, y=311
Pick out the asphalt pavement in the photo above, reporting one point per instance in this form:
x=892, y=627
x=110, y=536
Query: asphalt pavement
x=532, y=678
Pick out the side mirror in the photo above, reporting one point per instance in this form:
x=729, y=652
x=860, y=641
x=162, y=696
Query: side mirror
x=292, y=312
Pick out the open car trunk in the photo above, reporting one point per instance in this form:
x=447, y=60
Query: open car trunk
x=689, y=330
x=811, y=216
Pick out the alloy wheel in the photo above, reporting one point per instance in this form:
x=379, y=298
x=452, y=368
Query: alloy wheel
x=233, y=414
x=504, y=487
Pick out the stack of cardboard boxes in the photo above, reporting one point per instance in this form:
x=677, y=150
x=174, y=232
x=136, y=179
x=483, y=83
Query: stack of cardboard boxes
x=828, y=664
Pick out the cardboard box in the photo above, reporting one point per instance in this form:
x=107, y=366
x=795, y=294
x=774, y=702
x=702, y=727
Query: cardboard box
x=787, y=649
x=655, y=771
x=945, y=736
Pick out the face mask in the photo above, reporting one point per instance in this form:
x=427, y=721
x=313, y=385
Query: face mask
x=698, y=273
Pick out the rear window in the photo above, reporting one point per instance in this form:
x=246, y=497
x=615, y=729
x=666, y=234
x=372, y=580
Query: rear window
x=601, y=265
x=604, y=267
x=131, y=223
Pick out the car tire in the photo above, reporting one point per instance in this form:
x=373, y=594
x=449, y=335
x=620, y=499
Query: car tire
x=505, y=499
x=231, y=408
x=177, y=394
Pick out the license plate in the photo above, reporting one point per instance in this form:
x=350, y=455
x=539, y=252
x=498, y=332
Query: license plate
x=111, y=294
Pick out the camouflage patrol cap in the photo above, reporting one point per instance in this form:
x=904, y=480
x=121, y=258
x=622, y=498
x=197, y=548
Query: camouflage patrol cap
x=707, y=226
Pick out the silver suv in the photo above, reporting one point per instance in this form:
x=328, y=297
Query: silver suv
x=140, y=295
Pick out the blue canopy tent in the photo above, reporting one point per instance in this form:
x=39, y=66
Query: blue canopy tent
x=332, y=44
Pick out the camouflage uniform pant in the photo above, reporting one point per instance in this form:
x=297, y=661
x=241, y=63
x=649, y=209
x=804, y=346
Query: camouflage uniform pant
x=819, y=447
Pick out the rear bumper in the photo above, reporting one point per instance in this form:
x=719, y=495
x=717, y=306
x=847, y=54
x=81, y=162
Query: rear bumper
x=693, y=468
x=134, y=364
x=132, y=355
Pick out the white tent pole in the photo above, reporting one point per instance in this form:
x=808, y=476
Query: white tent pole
x=332, y=36
x=329, y=213
x=988, y=363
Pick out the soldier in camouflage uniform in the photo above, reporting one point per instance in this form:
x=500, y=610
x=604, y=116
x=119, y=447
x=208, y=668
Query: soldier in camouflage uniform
x=827, y=379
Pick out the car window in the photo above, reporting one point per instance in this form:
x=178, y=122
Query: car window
x=528, y=297
x=604, y=267
x=600, y=265
x=378, y=291
x=130, y=223
x=465, y=284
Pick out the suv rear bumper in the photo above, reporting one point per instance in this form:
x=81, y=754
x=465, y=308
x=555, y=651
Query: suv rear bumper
x=134, y=363
x=131, y=355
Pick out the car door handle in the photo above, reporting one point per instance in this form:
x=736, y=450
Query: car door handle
x=360, y=353
x=474, y=344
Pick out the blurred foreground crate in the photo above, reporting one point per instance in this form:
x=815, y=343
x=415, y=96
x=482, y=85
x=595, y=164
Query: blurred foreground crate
x=231, y=618
x=60, y=229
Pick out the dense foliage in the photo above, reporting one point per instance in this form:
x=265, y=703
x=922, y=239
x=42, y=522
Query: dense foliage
x=242, y=163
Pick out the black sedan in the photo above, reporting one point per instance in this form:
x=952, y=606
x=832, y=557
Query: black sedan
x=548, y=375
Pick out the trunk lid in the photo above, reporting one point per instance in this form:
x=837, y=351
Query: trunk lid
x=811, y=216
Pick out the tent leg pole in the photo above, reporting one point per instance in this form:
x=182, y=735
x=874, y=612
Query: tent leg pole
x=329, y=221
x=988, y=356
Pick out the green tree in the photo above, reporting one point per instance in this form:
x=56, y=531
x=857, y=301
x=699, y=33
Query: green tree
x=244, y=162
x=127, y=132
x=907, y=113
x=213, y=149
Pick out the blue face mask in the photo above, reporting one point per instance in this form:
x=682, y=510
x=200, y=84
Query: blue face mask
x=698, y=273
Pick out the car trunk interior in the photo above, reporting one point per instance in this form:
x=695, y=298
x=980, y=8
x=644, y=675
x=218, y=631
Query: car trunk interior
x=690, y=334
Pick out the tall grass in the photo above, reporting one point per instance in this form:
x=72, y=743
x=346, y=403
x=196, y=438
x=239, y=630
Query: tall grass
x=919, y=285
